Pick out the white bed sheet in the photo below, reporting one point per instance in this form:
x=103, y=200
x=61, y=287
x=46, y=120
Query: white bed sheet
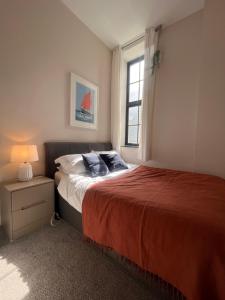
x=58, y=177
x=72, y=187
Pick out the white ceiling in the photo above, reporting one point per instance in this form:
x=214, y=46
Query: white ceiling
x=119, y=21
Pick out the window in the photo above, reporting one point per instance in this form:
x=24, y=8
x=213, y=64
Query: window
x=135, y=82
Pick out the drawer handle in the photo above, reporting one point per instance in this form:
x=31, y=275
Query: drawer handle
x=32, y=205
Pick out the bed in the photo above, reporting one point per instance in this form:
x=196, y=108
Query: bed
x=173, y=222
x=56, y=149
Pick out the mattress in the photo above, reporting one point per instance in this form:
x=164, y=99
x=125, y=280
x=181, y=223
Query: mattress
x=72, y=187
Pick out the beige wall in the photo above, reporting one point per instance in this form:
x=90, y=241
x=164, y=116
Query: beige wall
x=189, y=112
x=189, y=116
x=176, y=95
x=210, y=146
x=41, y=42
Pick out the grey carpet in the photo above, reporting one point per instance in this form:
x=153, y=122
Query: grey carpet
x=55, y=263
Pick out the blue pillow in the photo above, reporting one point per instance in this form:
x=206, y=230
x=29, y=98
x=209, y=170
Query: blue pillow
x=114, y=162
x=94, y=164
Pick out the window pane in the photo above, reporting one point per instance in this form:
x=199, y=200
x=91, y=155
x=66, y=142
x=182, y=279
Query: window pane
x=139, y=128
x=134, y=72
x=141, y=90
x=142, y=70
x=134, y=92
x=140, y=114
x=132, y=134
x=133, y=115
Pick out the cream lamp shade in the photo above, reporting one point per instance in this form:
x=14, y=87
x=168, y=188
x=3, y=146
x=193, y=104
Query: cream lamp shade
x=24, y=154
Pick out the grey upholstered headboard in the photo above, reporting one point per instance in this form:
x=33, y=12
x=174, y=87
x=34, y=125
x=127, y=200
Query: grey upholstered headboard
x=56, y=149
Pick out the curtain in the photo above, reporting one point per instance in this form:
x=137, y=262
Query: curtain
x=118, y=87
x=151, y=44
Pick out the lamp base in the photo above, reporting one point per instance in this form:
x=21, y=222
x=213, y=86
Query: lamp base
x=25, y=172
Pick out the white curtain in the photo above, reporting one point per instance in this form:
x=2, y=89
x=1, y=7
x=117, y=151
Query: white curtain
x=118, y=86
x=151, y=43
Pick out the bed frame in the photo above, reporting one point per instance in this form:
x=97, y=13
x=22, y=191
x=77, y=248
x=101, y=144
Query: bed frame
x=159, y=288
x=54, y=150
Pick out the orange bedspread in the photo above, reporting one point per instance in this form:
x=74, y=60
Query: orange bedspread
x=170, y=223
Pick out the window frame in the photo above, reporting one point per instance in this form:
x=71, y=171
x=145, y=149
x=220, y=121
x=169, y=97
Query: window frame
x=133, y=103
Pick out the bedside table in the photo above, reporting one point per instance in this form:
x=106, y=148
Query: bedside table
x=27, y=205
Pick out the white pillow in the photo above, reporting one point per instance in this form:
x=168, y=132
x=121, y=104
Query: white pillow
x=71, y=164
x=104, y=152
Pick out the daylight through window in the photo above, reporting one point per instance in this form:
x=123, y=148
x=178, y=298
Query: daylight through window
x=135, y=82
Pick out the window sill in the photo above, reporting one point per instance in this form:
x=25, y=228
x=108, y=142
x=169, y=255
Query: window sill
x=130, y=146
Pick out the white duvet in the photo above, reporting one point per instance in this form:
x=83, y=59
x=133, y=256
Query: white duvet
x=73, y=187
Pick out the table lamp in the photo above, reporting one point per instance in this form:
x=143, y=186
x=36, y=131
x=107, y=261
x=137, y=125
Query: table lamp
x=24, y=154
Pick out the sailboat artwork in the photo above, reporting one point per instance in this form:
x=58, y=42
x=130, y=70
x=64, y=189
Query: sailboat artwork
x=86, y=104
x=84, y=111
x=84, y=100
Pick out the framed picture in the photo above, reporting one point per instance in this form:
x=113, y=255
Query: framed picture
x=83, y=103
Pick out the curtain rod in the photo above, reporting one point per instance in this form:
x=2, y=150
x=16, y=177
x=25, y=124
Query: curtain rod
x=140, y=38
x=129, y=44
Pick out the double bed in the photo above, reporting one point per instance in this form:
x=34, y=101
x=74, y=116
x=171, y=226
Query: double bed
x=168, y=223
x=53, y=150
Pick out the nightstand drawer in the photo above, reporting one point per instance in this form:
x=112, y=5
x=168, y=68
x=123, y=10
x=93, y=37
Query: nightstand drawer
x=27, y=205
x=31, y=214
x=23, y=199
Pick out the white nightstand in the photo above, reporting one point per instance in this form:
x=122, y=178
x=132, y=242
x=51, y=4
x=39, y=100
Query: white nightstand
x=27, y=205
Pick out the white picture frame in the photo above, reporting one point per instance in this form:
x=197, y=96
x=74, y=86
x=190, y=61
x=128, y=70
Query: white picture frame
x=83, y=103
